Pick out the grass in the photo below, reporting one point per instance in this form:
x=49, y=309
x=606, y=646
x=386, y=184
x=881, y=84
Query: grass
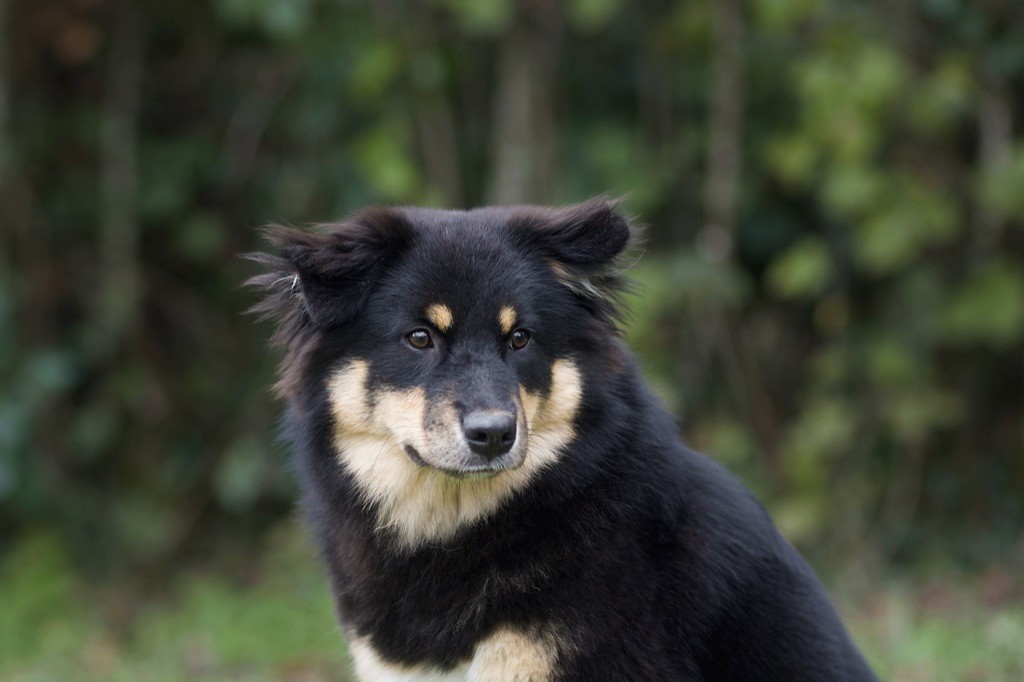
x=276, y=623
x=941, y=631
x=206, y=625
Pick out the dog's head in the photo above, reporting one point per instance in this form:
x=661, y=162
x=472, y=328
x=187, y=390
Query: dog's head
x=447, y=346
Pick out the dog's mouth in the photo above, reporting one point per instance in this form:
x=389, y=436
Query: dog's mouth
x=414, y=455
x=468, y=470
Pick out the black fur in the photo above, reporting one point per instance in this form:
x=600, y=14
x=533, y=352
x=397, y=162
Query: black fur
x=657, y=563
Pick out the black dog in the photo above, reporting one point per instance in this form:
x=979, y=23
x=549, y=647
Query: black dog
x=496, y=494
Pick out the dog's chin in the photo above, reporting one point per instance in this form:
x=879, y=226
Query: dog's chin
x=470, y=474
x=468, y=468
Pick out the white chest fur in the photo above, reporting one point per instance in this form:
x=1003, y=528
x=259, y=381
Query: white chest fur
x=505, y=656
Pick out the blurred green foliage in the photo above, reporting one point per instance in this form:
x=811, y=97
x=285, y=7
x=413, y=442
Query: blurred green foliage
x=851, y=342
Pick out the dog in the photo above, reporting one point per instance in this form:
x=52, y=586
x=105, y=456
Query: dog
x=495, y=492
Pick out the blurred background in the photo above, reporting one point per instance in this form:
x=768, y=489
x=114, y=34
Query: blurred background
x=833, y=289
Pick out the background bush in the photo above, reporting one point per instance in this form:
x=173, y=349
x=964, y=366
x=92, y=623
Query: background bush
x=834, y=281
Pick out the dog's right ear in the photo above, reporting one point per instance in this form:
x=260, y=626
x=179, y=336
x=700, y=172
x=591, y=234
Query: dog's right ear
x=328, y=271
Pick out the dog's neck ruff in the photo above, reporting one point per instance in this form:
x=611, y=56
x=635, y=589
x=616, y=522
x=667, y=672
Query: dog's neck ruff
x=419, y=505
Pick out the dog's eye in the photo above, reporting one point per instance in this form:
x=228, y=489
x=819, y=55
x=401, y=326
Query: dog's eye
x=419, y=339
x=519, y=339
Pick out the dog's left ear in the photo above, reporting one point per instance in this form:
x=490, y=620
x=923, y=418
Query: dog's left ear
x=582, y=238
x=583, y=245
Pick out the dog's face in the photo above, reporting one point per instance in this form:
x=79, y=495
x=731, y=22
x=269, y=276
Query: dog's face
x=449, y=346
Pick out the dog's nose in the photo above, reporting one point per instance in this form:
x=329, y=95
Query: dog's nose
x=491, y=433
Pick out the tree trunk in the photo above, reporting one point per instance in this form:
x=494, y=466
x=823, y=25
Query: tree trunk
x=725, y=127
x=524, y=119
x=995, y=137
x=721, y=203
x=119, y=292
x=5, y=94
x=440, y=145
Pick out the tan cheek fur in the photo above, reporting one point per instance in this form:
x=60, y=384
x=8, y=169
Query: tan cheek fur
x=421, y=504
x=550, y=420
x=347, y=391
x=507, y=655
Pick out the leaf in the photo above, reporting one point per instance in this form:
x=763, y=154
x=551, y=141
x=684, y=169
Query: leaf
x=891, y=362
x=851, y=191
x=793, y=158
x=999, y=187
x=202, y=237
x=918, y=217
x=147, y=527
x=482, y=18
x=803, y=270
x=913, y=415
x=725, y=438
x=242, y=473
x=821, y=434
x=591, y=16
x=284, y=19
x=374, y=70
x=383, y=158
x=943, y=96
x=783, y=15
x=988, y=308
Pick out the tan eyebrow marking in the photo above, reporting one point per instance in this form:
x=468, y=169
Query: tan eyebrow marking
x=507, y=318
x=440, y=316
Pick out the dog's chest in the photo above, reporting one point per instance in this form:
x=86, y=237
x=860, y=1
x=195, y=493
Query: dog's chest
x=506, y=654
x=435, y=608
